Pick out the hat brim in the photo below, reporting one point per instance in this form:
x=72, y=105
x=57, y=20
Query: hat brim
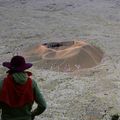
x=19, y=69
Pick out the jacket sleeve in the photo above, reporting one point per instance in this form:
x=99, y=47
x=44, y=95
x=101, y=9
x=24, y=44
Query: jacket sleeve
x=39, y=99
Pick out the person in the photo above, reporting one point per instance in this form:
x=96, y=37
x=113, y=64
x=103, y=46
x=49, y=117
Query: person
x=18, y=92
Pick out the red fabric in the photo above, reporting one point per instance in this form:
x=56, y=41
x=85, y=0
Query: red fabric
x=16, y=95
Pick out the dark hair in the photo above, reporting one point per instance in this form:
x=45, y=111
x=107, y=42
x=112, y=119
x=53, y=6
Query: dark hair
x=12, y=71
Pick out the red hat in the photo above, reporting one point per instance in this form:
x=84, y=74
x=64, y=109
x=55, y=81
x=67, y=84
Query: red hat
x=17, y=64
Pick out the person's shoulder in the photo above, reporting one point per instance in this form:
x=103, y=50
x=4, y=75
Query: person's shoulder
x=1, y=81
x=34, y=83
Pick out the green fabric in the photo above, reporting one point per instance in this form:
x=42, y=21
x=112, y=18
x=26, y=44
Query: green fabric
x=20, y=78
x=24, y=113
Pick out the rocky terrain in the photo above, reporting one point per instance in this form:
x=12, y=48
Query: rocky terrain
x=85, y=94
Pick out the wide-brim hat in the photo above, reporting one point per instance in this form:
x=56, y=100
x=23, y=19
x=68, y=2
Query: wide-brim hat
x=17, y=64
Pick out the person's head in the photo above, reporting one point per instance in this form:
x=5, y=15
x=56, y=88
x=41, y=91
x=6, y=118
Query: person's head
x=17, y=64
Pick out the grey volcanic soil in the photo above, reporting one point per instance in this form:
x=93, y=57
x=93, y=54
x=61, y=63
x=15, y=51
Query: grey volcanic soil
x=88, y=94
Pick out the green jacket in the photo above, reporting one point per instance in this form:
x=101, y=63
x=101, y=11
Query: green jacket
x=23, y=113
